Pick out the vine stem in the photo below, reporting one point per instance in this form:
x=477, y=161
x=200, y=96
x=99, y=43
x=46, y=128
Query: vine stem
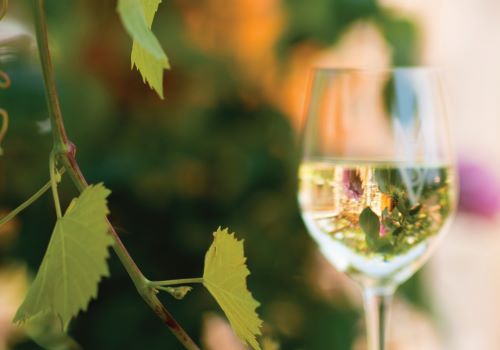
x=66, y=151
x=54, y=180
x=176, y=282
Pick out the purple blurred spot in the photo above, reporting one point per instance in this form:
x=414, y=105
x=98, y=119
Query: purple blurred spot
x=479, y=190
x=352, y=184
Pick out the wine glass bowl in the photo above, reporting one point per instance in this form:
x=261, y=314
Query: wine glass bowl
x=376, y=230
x=377, y=183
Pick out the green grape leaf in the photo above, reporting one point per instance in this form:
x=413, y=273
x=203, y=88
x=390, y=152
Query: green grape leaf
x=75, y=260
x=225, y=276
x=150, y=66
x=147, y=54
x=134, y=19
x=44, y=330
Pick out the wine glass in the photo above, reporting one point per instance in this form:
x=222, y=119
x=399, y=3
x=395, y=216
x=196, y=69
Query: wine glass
x=377, y=180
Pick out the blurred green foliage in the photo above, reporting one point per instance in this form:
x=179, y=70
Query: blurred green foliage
x=178, y=169
x=324, y=21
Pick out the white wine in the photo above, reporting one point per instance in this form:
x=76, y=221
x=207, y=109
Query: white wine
x=376, y=220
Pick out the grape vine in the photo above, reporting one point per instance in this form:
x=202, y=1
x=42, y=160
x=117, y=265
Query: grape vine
x=76, y=257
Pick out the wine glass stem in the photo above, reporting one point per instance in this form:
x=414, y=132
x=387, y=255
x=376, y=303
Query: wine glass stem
x=377, y=303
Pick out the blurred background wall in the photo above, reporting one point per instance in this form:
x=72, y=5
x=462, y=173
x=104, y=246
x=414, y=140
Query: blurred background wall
x=461, y=38
x=222, y=150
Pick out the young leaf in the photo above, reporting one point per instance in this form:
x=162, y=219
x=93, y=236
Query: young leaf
x=225, y=276
x=75, y=260
x=147, y=54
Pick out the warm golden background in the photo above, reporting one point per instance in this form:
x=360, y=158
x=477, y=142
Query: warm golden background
x=222, y=150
